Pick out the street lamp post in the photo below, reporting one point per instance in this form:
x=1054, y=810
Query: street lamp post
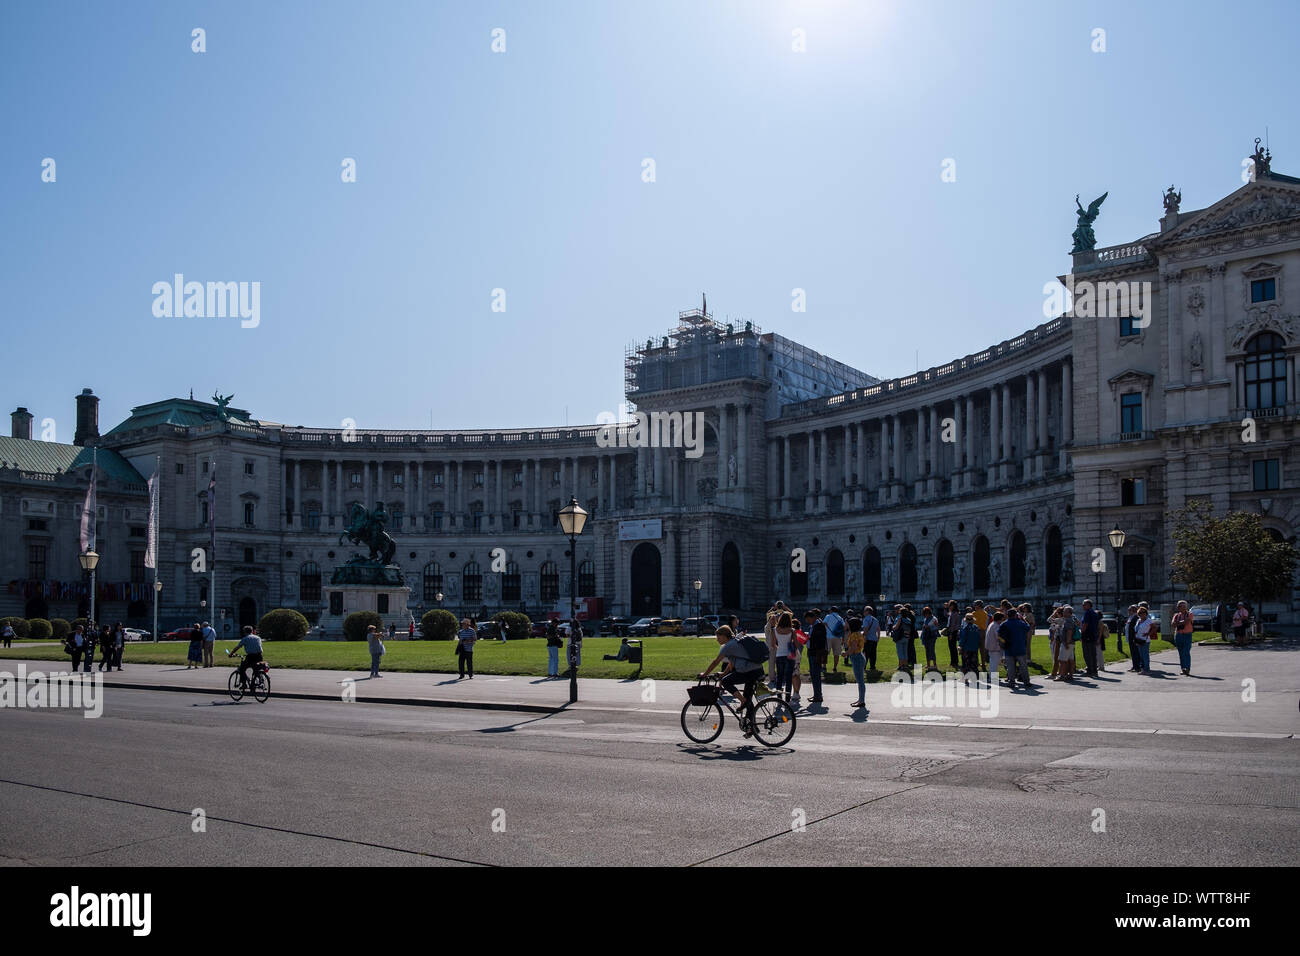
x=573, y=518
x=1117, y=542
x=697, y=584
x=157, y=593
x=89, y=561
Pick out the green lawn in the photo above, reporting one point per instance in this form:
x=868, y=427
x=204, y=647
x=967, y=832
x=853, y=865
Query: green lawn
x=666, y=658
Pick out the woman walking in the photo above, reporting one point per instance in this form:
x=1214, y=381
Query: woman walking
x=854, y=644
x=376, y=649
x=787, y=655
x=194, y=658
x=1182, y=625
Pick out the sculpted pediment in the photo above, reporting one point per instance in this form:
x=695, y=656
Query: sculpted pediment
x=1130, y=378
x=1256, y=204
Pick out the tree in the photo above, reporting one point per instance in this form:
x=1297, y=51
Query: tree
x=355, y=624
x=439, y=625
x=38, y=629
x=282, y=624
x=1229, y=558
x=60, y=628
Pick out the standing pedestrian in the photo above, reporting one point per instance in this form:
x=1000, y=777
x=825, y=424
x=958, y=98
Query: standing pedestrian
x=1012, y=635
x=835, y=637
x=993, y=646
x=1182, y=624
x=854, y=645
x=903, y=633
x=1240, y=621
x=553, y=644
x=1065, y=640
x=209, y=642
x=970, y=638
x=787, y=655
x=817, y=647
x=92, y=641
x=8, y=634
x=105, y=647
x=376, y=649
x=1223, y=620
x=78, y=644
x=1027, y=615
x=871, y=633
x=1142, y=635
x=769, y=638
x=410, y=630
x=1130, y=631
x=119, y=645
x=929, y=638
x=1053, y=639
x=465, y=648
x=194, y=656
x=982, y=622
x=1090, y=627
x=952, y=631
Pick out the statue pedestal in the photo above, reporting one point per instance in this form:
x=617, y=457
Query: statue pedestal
x=361, y=585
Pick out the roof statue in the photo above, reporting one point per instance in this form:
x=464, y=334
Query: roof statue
x=1262, y=158
x=222, y=402
x=1084, y=238
x=1173, y=199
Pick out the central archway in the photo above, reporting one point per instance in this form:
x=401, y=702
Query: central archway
x=730, y=576
x=647, y=599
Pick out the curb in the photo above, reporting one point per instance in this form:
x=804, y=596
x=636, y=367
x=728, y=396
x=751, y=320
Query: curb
x=406, y=701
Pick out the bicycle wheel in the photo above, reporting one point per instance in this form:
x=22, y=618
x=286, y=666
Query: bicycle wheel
x=702, y=722
x=773, y=721
x=261, y=687
x=236, y=692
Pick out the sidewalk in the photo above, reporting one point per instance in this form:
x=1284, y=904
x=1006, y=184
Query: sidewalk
x=1209, y=702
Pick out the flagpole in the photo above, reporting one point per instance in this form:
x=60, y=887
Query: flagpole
x=212, y=558
x=94, y=538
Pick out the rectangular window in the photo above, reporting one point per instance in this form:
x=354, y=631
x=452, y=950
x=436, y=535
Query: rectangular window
x=1135, y=572
x=381, y=603
x=205, y=466
x=137, y=567
x=313, y=520
x=398, y=478
x=354, y=479
x=137, y=531
x=248, y=555
x=37, y=524
x=518, y=516
x=437, y=479
x=248, y=514
x=1130, y=413
x=1268, y=474
x=437, y=521
x=478, y=480
x=180, y=468
x=1263, y=290
x=203, y=520
x=248, y=468
x=397, y=521
x=1133, y=491
x=1128, y=326
x=36, y=562
x=478, y=521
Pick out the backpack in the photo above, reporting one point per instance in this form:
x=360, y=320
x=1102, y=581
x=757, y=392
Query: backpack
x=754, y=649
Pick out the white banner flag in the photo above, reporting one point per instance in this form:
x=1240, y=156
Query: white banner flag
x=151, y=549
x=88, y=513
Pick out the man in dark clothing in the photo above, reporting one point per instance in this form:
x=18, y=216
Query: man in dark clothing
x=1013, y=635
x=1130, y=630
x=817, y=646
x=1091, y=623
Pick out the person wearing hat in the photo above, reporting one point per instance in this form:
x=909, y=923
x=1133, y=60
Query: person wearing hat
x=465, y=648
x=376, y=649
x=209, y=642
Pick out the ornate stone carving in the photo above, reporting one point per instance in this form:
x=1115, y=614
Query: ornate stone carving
x=1263, y=320
x=1173, y=198
x=1266, y=207
x=1196, y=301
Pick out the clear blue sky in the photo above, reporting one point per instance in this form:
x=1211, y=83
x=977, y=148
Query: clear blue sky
x=775, y=170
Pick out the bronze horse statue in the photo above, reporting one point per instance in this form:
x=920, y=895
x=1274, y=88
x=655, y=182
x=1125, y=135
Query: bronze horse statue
x=367, y=528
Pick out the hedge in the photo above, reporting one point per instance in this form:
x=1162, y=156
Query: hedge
x=355, y=624
x=439, y=625
x=282, y=624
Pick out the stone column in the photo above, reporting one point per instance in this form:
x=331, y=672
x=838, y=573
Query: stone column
x=600, y=483
x=968, y=438
x=897, y=488
x=1067, y=408
x=846, y=476
x=785, y=486
x=931, y=485
x=959, y=433
x=1031, y=429
x=406, y=493
x=501, y=492
x=669, y=569
x=809, y=500
x=921, y=456
x=724, y=445
x=660, y=479
x=860, y=490
x=884, y=459
x=1042, y=410
x=823, y=499
x=365, y=484
x=338, y=489
x=613, y=482
x=742, y=446
x=1005, y=468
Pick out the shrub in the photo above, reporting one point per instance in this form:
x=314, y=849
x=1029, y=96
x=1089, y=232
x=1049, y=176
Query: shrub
x=439, y=625
x=82, y=623
x=355, y=624
x=39, y=629
x=19, y=624
x=282, y=624
x=60, y=627
x=516, y=625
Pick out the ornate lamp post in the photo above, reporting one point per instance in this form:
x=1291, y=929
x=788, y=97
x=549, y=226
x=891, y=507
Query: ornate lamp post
x=697, y=584
x=1117, y=542
x=89, y=561
x=573, y=518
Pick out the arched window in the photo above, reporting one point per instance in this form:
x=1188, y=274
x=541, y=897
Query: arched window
x=432, y=582
x=1265, y=377
x=550, y=580
x=871, y=574
x=587, y=578
x=980, y=550
x=1052, y=557
x=309, y=583
x=473, y=582
x=943, y=558
x=1017, y=562
x=835, y=574
x=907, y=569
x=510, y=588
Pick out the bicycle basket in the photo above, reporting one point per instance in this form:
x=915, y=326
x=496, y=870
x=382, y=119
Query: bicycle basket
x=704, y=693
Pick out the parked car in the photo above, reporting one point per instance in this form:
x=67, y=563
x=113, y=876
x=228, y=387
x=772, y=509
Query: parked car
x=564, y=629
x=539, y=628
x=670, y=627
x=489, y=631
x=1203, y=617
x=695, y=626
x=136, y=634
x=615, y=626
x=180, y=634
x=644, y=627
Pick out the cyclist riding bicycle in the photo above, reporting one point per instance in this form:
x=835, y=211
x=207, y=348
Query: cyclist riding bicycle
x=251, y=645
x=742, y=668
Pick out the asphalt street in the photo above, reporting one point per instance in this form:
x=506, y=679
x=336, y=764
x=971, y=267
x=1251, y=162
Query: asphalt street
x=303, y=782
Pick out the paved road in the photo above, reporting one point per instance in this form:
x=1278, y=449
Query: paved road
x=325, y=782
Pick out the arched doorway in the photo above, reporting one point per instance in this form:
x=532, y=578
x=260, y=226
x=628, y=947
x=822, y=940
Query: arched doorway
x=943, y=559
x=1017, y=568
x=980, y=548
x=247, y=613
x=730, y=575
x=647, y=600
x=871, y=574
x=835, y=574
x=907, y=570
x=1052, y=557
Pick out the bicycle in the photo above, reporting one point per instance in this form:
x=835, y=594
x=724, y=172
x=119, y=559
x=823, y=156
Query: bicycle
x=702, y=718
x=258, y=683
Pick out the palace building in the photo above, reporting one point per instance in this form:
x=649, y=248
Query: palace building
x=993, y=474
